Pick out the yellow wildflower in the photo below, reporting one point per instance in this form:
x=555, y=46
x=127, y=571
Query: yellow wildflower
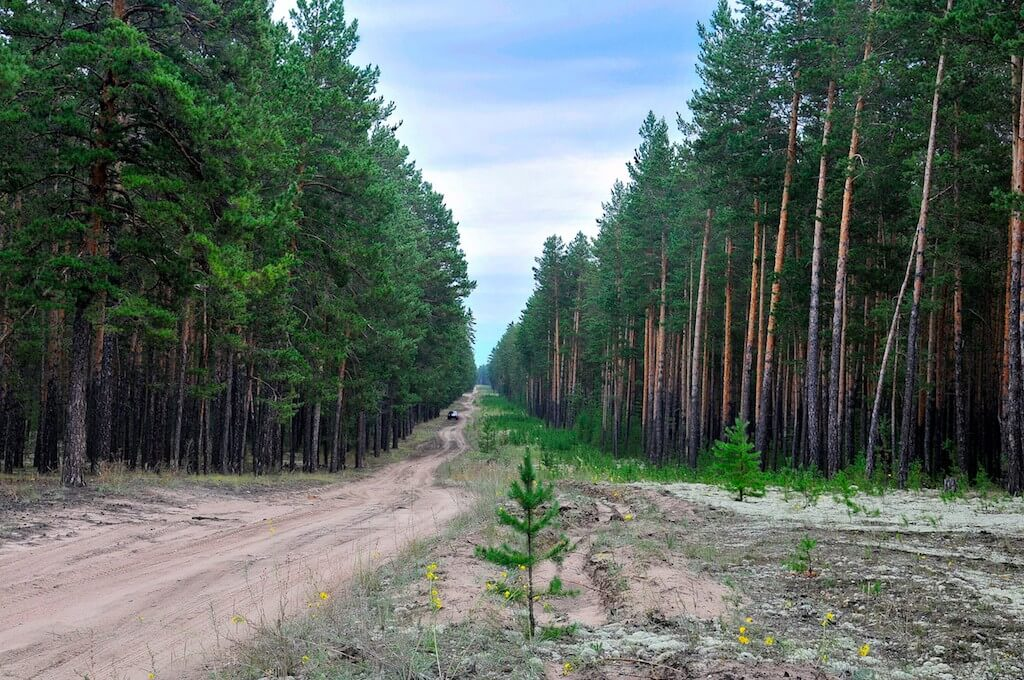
x=743, y=629
x=769, y=641
x=749, y=619
x=305, y=659
x=324, y=595
x=237, y=619
x=744, y=640
x=536, y=598
x=504, y=574
x=151, y=676
x=508, y=595
x=829, y=618
x=566, y=668
x=522, y=567
x=864, y=650
x=628, y=517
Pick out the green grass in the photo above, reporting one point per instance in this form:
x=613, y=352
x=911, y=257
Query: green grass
x=566, y=453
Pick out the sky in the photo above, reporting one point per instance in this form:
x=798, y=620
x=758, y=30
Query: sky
x=523, y=113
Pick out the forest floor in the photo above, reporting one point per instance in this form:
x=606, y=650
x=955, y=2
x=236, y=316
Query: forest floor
x=907, y=586
x=146, y=579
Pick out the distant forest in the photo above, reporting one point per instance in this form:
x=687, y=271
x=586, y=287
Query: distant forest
x=215, y=254
x=831, y=254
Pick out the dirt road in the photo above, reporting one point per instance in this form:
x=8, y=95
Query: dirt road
x=165, y=586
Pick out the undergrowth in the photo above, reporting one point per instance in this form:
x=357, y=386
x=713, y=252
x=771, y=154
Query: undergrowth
x=565, y=453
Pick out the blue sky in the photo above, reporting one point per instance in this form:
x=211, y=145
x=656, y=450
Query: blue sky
x=523, y=112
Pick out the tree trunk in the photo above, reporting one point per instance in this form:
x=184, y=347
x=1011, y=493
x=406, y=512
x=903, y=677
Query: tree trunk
x=1012, y=422
x=910, y=381
x=657, y=451
x=727, y=338
x=839, y=291
x=75, y=432
x=225, y=434
x=812, y=376
x=693, y=423
x=761, y=432
x=752, y=324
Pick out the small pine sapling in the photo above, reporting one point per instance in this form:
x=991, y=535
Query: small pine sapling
x=737, y=463
x=800, y=561
x=531, y=496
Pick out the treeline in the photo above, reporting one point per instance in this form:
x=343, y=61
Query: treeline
x=215, y=254
x=832, y=253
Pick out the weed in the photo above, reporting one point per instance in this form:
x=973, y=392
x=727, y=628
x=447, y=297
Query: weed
x=800, y=561
x=552, y=633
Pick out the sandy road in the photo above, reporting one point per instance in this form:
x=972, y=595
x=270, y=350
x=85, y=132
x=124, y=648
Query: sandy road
x=155, y=590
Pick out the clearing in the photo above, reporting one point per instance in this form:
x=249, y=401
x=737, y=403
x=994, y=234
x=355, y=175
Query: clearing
x=128, y=587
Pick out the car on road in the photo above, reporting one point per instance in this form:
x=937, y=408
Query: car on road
x=453, y=415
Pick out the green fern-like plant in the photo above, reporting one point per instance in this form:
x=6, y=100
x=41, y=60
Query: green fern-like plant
x=537, y=512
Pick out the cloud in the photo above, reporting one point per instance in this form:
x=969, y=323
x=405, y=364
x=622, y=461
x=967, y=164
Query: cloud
x=523, y=113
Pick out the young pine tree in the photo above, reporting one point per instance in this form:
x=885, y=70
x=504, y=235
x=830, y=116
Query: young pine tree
x=531, y=495
x=737, y=463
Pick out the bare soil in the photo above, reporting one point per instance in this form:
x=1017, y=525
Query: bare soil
x=682, y=581
x=122, y=588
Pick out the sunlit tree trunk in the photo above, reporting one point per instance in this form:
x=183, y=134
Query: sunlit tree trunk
x=761, y=432
x=751, y=334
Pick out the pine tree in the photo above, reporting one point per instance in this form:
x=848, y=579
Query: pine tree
x=538, y=509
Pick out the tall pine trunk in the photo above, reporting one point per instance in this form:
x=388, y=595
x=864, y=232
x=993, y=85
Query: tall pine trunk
x=749, y=350
x=812, y=377
x=920, y=238
x=833, y=450
x=693, y=421
x=761, y=432
x=73, y=473
x=727, y=338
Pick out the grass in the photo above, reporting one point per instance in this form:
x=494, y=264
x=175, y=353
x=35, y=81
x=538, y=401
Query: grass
x=564, y=453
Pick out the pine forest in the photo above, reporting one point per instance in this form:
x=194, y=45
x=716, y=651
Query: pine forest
x=828, y=250
x=215, y=254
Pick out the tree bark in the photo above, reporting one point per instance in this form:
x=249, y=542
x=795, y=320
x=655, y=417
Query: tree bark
x=910, y=381
x=812, y=377
x=833, y=457
x=693, y=421
x=752, y=323
x=727, y=338
x=761, y=432
x=72, y=474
